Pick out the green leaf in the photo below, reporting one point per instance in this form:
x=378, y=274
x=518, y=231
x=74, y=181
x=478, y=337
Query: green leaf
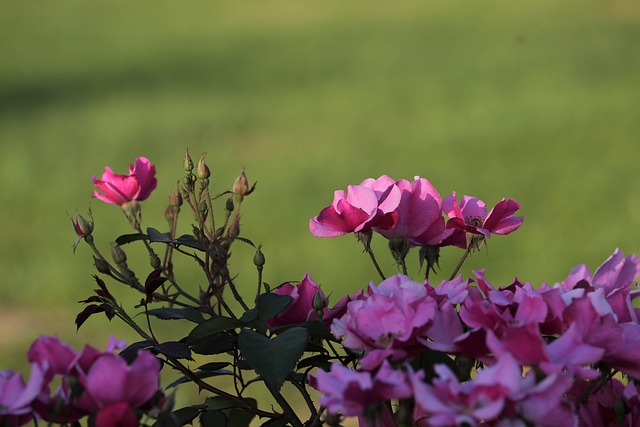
x=128, y=238
x=172, y=313
x=213, y=366
x=271, y=304
x=277, y=422
x=190, y=241
x=174, y=349
x=157, y=236
x=200, y=375
x=238, y=417
x=209, y=328
x=273, y=359
x=178, y=417
x=213, y=419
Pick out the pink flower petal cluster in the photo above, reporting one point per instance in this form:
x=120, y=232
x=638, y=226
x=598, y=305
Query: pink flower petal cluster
x=350, y=392
x=16, y=397
x=470, y=216
x=301, y=308
x=95, y=383
x=498, y=393
x=394, y=209
x=389, y=321
x=120, y=189
x=361, y=208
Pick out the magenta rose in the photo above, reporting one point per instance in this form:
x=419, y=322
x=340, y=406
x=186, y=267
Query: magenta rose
x=470, y=216
x=16, y=397
x=119, y=189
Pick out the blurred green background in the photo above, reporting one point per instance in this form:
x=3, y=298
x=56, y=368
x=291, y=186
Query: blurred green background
x=538, y=101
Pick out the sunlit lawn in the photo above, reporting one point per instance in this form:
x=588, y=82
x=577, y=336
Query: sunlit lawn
x=537, y=101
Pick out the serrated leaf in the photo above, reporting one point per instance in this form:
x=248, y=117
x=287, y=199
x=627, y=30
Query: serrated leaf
x=249, y=315
x=211, y=327
x=157, y=236
x=271, y=304
x=129, y=238
x=190, y=241
x=173, y=313
x=178, y=418
x=273, y=359
x=221, y=342
x=245, y=240
x=174, y=349
x=238, y=417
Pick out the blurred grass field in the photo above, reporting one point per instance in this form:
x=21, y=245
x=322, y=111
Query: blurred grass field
x=538, y=101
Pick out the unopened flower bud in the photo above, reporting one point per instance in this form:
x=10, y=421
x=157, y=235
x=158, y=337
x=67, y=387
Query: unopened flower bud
x=175, y=198
x=101, y=265
x=258, y=258
x=82, y=226
x=169, y=214
x=229, y=205
x=154, y=260
x=399, y=247
x=118, y=254
x=188, y=163
x=202, y=171
x=241, y=185
x=319, y=302
x=203, y=208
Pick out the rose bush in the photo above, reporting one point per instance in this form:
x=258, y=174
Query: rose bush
x=400, y=351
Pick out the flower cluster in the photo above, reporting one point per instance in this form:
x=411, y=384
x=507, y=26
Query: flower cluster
x=458, y=351
x=100, y=385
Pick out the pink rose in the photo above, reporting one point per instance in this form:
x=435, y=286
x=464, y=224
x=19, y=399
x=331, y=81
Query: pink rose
x=120, y=189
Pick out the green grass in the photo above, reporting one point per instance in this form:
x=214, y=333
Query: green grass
x=536, y=101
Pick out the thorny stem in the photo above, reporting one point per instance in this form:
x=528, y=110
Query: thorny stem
x=305, y=396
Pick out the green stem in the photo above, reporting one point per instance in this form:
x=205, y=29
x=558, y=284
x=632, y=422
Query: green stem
x=462, y=260
x=375, y=263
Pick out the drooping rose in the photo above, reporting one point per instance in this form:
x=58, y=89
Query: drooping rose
x=119, y=189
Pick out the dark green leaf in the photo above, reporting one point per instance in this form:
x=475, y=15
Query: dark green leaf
x=178, y=418
x=213, y=366
x=249, y=315
x=320, y=361
x=222, y=342
x=273, y=359
x=211, y=327
x=172, y=313
x=219, y=402
x=277, y=422
x=213, y=419
x=238, y=417
x=190, y=241
x=174, y=349
x=200, y=375
x=128, y=238
x=157, y=236
x=271, y=304
x=428, y=358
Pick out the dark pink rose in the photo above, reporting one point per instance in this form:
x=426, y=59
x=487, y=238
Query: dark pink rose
x=362, y=207
x=301, y=308
x=350, y=392
x=120, y=189
x=110, y=380
x=470, y=216
x=389, y=321
x=116, y=415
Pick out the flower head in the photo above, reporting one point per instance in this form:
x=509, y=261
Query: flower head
x=119, y=189
x=470, y=216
